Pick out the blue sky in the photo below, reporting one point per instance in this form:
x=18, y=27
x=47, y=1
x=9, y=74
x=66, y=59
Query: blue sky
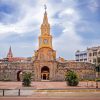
x=75, y=25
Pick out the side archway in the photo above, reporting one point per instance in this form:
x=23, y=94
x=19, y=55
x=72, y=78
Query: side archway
x=19, y=75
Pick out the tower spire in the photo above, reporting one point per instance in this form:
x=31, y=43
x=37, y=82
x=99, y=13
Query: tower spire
x=45, y=27
x=9, y=55
x=45, y=7
x=45, y=19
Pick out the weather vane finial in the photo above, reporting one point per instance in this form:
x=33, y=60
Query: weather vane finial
x=45, y=7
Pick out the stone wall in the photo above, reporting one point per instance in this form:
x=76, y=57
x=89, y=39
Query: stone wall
x=9, y=71
x=83, y=70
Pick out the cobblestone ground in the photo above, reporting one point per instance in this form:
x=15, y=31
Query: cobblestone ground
x=47, y=85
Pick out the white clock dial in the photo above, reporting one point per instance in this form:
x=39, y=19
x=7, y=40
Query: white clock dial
x=45, y=41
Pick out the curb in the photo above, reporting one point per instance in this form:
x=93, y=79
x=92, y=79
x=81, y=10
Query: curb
x=67, y=90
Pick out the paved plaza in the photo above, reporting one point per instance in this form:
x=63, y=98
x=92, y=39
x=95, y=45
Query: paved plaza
x=50, y=91
x=47, y=85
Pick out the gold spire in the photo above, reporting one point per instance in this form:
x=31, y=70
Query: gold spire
x=45, y=19
x=45, y=27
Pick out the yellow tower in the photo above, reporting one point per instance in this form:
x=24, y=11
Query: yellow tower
x=45, y=39
x=45, y=51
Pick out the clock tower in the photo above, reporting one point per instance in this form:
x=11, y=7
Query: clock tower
x=45, y=57
x=45, y=39
x=45, y=51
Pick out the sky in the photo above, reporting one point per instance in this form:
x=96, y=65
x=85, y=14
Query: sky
x=75, y=25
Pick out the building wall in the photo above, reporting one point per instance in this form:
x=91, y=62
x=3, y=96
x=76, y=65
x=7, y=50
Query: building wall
x=81, y=56
x=84, y=70
x=9, y=71
x=57, y=70
x=93, y=55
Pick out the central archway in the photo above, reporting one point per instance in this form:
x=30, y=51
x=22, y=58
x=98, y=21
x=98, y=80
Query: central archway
x=45, y=73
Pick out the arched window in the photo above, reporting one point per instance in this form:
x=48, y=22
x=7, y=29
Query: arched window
x=90, y=54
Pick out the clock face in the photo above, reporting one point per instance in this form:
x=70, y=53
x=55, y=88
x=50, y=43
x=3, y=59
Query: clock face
x=45, y=41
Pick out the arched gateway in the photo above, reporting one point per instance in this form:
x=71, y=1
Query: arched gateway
x=45, y=73
x=19, y=75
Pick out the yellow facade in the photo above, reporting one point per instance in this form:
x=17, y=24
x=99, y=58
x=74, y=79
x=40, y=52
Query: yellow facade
x=45, y=51
x=45, y=39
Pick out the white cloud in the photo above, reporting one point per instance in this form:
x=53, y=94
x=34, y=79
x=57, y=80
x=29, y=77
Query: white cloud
x=29, y=21
x=68, y=11
x=69, y=41
x=93, y=5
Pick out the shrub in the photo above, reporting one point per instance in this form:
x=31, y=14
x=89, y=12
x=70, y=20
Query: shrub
x=26, y=79
x=98, y=79
x=71, y=78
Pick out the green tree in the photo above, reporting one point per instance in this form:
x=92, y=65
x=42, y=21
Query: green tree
x=26, y=79
x=71, y=78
